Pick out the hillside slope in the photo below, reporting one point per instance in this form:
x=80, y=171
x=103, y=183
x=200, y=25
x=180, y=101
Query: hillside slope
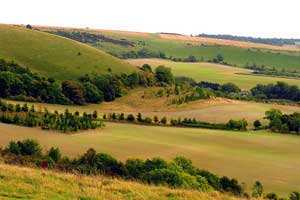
x=181, y=47
x=26, y=183
x=55, y=56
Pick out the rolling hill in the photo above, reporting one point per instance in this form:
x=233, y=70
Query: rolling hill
x=215, y=73
x=275, y=157
x=54, y=56
x=235, y=53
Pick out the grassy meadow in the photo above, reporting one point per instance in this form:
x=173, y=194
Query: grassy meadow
x=54, y=56
x=214, y=73
x=25, y=183
x=249, y=156
x=235, y=53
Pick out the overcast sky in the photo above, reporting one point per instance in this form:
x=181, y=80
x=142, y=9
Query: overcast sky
x=259, y=18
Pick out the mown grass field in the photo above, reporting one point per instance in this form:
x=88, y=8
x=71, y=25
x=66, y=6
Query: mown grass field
x=235, y=53
x=25, y=183
x=214, y=73
x=54, y=56
x=249, y=156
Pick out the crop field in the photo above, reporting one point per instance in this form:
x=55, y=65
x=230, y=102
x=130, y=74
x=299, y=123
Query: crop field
x=234, y=53
x=54, y=56
x=25, y=183
x=271, y=158
x=213, y=73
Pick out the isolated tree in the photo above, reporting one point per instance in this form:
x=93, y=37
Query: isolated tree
x=28, y=26
x=271, y=196
x=219, y=58
x=163, y=120
x=130, y=118
x=147, y=67
x=155, y=119
x=164, y=74
x=92, y=94
x=257, y=190
x=257, y=124
x=139, y=117
x=95, y=114
x=230, y=88
x=122, y=117
x=55, y=154
x=73, y=91
x=295, y=196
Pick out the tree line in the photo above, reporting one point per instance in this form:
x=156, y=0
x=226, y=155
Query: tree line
x=65, y=122
x=20, y=83
x=279, y=90
x=271, y=41
x=240, y=125
x=177, y=173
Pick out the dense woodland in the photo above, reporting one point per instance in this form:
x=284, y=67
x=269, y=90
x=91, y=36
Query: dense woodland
x=20, y=83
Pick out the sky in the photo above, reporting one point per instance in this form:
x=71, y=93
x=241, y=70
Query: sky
x=258, y=18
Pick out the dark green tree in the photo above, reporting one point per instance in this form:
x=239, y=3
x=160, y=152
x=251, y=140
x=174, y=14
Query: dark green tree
x=74, y=91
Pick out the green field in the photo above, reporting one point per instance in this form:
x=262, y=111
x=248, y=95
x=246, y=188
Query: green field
x=25, y=183
x=213, y=73
x=233, y=55
x=54, y=56
x=271, y=158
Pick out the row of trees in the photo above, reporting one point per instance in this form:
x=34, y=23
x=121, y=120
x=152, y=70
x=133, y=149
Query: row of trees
x=240, y=125
x=280, y=90
x=179, y=173
x=65, y=122
x=92, y=38
x=138, y=118
x=186, y=122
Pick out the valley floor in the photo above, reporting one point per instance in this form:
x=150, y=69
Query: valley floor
x=218, y=110
x=248, y=156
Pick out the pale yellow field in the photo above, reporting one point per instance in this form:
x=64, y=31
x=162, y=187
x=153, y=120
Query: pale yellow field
x=248, y=156
x=226, y=42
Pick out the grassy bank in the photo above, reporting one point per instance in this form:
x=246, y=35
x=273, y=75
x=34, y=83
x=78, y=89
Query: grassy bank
x=25, y=183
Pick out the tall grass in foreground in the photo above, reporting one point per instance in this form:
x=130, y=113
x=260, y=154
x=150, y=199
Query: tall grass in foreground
x=26, y=183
